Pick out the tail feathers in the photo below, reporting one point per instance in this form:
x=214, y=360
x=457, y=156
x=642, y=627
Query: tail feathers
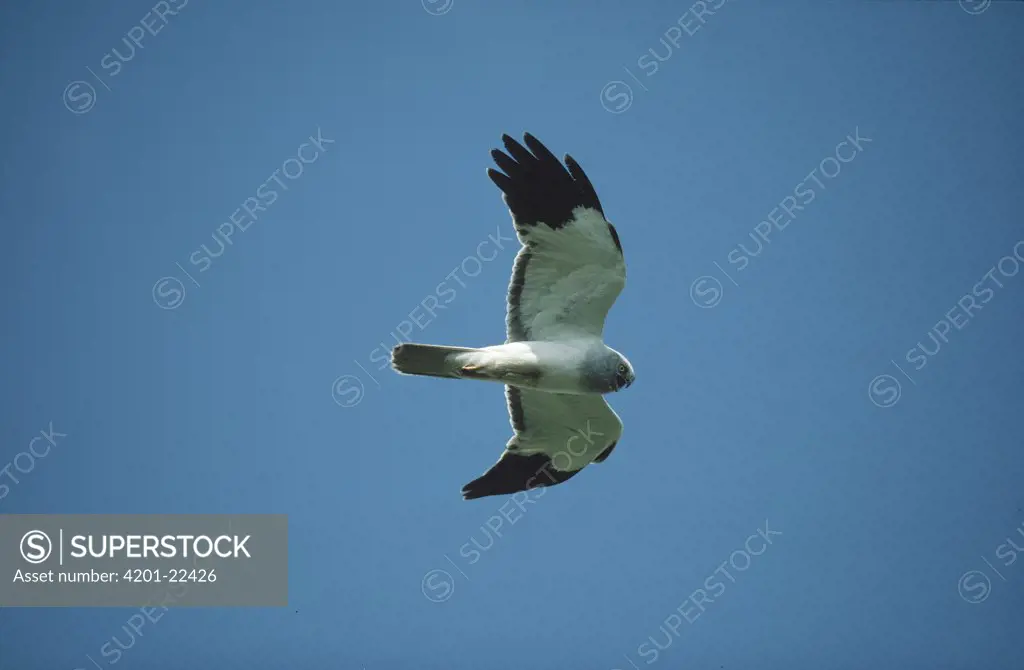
x=429, y=360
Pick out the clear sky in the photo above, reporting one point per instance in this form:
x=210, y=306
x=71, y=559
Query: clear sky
x=819, y=205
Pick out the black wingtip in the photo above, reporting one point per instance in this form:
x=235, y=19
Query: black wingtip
x=540, y=188
x=473, y=490
x=514, y=473
x=501, y=180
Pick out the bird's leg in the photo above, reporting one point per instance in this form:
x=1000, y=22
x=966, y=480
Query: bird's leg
x=472, y=372
x=522, y=375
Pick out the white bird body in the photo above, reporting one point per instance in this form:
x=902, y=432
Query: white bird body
x=521, y=364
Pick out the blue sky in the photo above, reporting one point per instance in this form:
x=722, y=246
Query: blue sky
x=865, y=155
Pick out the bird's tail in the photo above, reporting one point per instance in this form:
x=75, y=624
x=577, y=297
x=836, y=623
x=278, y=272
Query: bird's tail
x=430, y=360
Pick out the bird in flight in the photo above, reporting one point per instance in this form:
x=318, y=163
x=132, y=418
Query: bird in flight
x=554, y=364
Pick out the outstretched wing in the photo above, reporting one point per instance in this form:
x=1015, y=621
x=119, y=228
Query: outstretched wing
x=556, y=436
x=570, y=269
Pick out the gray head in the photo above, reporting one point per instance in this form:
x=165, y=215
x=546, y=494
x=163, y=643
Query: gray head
x=606, y=371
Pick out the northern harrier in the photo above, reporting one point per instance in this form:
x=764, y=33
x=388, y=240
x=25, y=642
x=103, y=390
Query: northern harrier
x=555, y=365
